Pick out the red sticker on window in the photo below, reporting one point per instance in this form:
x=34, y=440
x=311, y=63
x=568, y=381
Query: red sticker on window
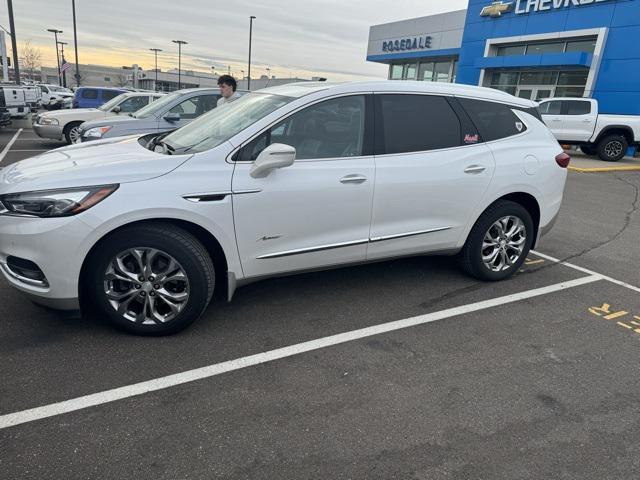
x=468, y=138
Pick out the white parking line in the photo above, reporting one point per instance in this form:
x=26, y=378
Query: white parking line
x=162, y=383
x=587, y=271
x=9, y=145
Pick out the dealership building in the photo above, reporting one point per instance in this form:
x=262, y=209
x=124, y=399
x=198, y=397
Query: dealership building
x=534, y=49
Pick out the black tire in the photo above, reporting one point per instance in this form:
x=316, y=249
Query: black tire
x=589, y=150
x=470, y=258
x=191, y=257
x=68, y=131
x=612, y=148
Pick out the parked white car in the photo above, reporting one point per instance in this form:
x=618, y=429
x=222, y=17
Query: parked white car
x=65, y=124
x=13, y=98
x=53, y=92
x=576, y=121
x=287, y=179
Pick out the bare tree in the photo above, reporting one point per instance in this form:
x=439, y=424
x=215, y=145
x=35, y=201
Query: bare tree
x=31, y=58
x=122, y=80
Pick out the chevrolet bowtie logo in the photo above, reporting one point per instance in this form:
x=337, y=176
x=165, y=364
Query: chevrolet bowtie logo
x=496, y=9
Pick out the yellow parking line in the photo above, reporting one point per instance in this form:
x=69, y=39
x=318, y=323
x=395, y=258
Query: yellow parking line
x=629, y=168
x=624, y=325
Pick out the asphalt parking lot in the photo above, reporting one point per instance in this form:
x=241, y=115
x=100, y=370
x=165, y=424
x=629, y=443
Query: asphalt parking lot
x=405, y=369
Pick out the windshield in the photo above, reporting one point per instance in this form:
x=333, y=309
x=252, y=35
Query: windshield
x=154, y=108
x=222, y=123
x=112, y=103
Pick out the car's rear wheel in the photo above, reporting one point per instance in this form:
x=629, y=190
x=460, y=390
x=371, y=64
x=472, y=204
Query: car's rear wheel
x=72, y=132
x=612, y=148
x=153, y=279
x=499, y=242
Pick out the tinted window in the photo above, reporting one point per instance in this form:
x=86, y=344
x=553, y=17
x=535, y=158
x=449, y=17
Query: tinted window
x=494, y=120
x=415, y=123
x=109, y=94
x=577, y=108
x=551, y=108
x=90, y=93
x=329, y=129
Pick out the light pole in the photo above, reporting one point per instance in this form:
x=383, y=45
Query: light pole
x=180, y=43
x=55, y=34
x=156, y=50
x=249, y=67
x=14, y=43
x=75, y=42
x=64, y=72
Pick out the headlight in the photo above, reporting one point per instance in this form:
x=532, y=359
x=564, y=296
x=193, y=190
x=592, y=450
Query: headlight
x=97, y=132
x=48, y=121
x=54, y=203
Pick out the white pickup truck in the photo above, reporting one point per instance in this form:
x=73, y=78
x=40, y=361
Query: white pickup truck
x=575, y=121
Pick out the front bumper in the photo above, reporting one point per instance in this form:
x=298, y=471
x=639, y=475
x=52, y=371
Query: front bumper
x=48, y=131
x=55, y=245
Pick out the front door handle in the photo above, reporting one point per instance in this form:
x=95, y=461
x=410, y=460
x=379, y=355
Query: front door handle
x=586, y=121
x=473, y=169
x=357, y=179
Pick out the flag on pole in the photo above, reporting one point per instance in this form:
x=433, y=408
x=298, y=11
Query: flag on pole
x=64, y=67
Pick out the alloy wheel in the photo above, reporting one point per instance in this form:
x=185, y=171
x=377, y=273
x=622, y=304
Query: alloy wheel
x=613, y=149
x=504, y=243
x=146, y=286
x=74, y=134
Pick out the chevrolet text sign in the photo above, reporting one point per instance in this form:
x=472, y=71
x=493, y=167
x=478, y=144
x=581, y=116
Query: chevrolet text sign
x=496, y=9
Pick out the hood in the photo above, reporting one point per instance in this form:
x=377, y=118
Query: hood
x=111, y=121
x=70, y=114
x=119, y=160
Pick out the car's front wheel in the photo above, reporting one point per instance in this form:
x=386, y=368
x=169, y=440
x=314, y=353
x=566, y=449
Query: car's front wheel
x=72, y=133
x=499, y=242
x=153, y=279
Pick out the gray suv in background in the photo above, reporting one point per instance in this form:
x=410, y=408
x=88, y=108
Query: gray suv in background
x=170, y=112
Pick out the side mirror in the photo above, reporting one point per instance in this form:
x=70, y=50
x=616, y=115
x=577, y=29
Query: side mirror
x=172, y=117
x=116, y=109
x=277, y=155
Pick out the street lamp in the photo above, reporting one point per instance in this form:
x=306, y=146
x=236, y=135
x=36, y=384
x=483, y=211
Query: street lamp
x=75, y=42
x=55, y=33
x=250, y=34
x=156, y=50
x=180, y=43
x=64, y=72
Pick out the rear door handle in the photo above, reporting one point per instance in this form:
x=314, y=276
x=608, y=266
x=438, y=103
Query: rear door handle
x=354, y=178
x=586, y=121
x=473, y=169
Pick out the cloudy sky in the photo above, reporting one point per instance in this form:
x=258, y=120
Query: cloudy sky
x=291, y=37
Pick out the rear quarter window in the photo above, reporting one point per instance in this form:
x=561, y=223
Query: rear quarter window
x=109, y=94
x=494, y=120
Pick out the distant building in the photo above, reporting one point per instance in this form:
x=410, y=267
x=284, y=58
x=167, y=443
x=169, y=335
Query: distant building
x=136, y=77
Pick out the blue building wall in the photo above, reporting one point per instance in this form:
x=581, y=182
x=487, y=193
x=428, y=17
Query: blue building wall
x=617, y=87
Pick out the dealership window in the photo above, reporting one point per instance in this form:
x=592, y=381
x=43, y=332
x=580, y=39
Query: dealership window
x=542, y=48
x=428, y=70
x=396, y=72
x=584, y=44
x=538, y=84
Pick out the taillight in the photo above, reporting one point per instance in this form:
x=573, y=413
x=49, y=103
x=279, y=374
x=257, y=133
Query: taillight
x=563, y=159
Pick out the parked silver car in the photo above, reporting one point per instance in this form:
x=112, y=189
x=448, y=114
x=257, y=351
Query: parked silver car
x=173, y=111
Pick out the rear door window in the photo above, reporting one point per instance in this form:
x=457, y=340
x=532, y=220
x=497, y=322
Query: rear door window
x=415, y=123
x=195, y=106
x=576, y=107
x=494, y=120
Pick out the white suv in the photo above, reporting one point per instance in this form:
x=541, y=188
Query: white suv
x=286, y=179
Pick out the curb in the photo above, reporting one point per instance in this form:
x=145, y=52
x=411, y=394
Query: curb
x=629, y=168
